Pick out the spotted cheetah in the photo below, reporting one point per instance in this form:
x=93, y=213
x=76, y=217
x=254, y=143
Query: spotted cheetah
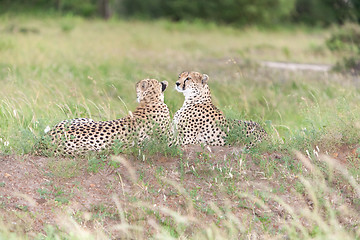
x=199, y=121
x=81, y=135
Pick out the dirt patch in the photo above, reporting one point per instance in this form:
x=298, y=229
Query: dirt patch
x=35, y=191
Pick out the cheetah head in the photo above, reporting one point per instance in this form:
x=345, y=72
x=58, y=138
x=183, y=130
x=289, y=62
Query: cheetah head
x=148, y=90
x=192, y=84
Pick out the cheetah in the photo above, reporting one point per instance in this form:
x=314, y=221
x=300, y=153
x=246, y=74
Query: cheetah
x=81, y=135
x=199, y=121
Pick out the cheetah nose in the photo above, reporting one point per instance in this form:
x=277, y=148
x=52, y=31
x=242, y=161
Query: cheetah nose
x=177, y=83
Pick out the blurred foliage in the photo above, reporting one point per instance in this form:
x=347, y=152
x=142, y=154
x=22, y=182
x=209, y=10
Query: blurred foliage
x=237, y=12
x=345, y=39
x=230, y=11
x=346, y=43
x=326, y=12
x=85, y=8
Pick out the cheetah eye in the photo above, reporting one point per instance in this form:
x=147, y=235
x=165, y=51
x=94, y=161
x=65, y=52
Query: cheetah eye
x=188, y=78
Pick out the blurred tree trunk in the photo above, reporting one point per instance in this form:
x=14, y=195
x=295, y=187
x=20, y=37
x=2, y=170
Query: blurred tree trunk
x=58, y=5
x=104, y=7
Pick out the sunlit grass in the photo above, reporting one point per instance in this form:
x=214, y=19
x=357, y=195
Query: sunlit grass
x=53, y=69
x=68, y=67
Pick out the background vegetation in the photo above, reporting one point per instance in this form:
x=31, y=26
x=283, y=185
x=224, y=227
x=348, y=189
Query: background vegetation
x=237, y=12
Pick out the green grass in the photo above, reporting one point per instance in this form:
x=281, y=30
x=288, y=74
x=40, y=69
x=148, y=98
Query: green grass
x=90, y=71
x=53, y=69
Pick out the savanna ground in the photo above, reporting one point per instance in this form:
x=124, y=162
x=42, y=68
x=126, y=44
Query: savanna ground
x=302, y=183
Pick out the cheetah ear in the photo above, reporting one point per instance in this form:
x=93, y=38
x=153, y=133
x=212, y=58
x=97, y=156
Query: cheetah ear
x=164, y=85
x=181, y=73
x=204, y=79
x=144, y=85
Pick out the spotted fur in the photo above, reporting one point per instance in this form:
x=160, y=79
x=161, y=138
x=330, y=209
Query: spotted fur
x=81, y=135
x=199, y=121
